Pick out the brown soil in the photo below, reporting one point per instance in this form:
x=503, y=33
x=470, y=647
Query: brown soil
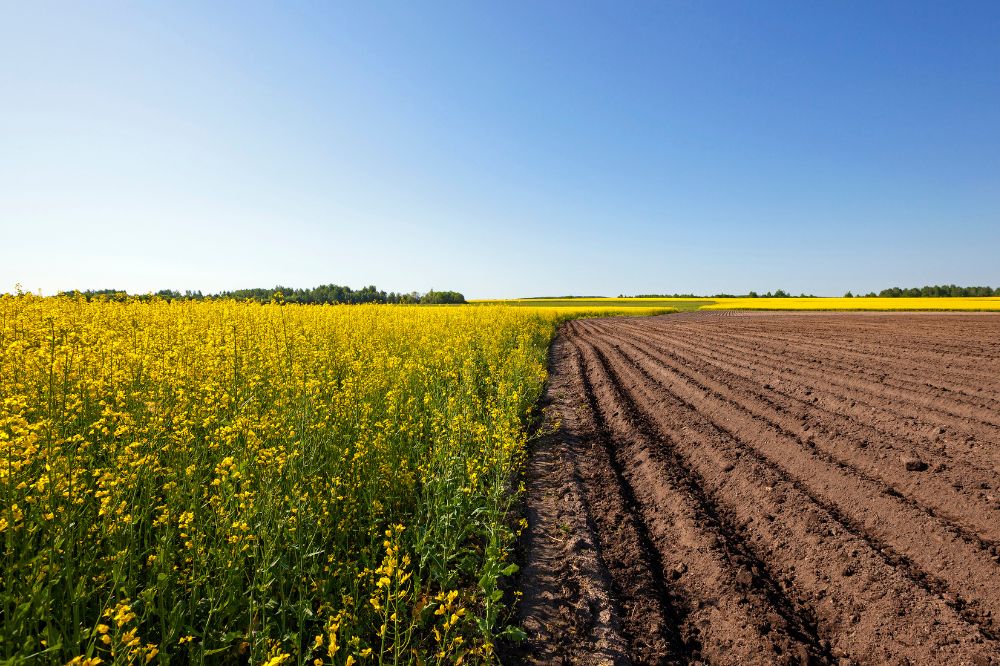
x=767, y=488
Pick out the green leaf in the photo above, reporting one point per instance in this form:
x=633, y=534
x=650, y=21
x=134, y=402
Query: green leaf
x=514, y=634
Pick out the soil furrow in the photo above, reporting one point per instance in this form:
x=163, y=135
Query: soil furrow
x=878, y=383
x=721, y=491
x=884, y=418
x=827, y=343
x=762, y=491
x=909, y=343
x=968, y=386
x=650, y=618
x=896, y=372
x=923, y=580
x=856, y=380
x=970, y=517
x=887, y=518
x=785, y=628
x=571, y=614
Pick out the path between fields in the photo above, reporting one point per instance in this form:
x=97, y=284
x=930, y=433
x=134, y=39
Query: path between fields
x=768, y=488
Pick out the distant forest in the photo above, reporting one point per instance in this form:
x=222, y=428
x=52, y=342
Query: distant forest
x=325, y=293
x=936, y=290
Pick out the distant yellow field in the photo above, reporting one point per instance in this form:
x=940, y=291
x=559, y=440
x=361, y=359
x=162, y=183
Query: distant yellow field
x=651, y=305
x=632, y=306
x=959, y=303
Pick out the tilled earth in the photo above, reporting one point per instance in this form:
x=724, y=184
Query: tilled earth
x=767, y=488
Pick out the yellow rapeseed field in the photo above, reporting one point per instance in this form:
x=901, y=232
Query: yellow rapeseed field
x=856, y=303
x=228, y=482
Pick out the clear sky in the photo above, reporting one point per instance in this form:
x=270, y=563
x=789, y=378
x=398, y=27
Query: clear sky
x=500, y=149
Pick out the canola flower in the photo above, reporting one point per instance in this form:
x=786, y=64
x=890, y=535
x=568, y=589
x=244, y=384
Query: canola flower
x=223, y=482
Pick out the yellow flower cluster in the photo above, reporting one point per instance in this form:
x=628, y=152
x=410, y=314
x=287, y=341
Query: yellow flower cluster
x=229, y=480
x=449, y=641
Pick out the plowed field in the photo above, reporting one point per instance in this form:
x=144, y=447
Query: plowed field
x=767, y=488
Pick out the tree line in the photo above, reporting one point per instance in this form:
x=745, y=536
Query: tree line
x=325, y=293
x=939, y=290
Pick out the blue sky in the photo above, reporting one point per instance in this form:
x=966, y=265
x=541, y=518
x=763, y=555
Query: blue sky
x=500, y=149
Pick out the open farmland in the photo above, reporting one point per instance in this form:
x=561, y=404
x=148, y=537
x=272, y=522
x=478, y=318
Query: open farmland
x=768, y=488
x=227, y=482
